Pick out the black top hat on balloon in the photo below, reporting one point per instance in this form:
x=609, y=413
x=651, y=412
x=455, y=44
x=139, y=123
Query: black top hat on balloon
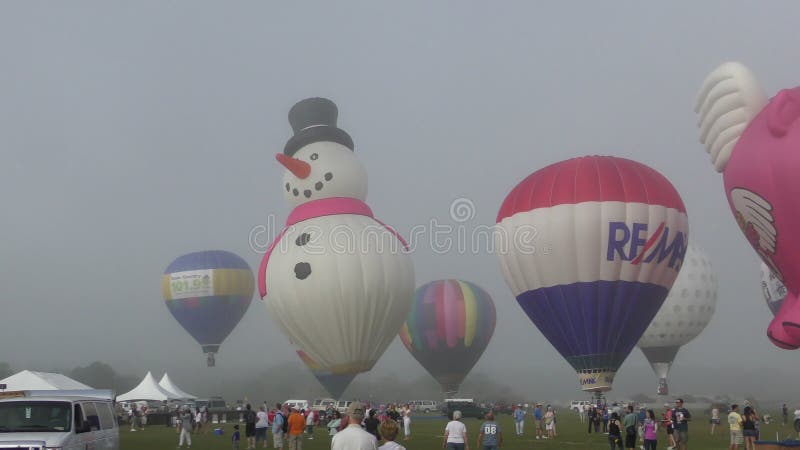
x=314, y=120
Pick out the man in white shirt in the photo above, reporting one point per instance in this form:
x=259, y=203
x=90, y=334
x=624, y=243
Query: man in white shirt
x=353, y=437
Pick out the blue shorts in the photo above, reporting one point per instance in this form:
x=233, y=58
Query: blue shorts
x=261, y=434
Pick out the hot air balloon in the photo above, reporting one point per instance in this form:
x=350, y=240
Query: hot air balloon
x=683, y=316
x=336, y=280
x=208, y=292
x=754, y=141
x=335, y=384
x=448, y=328
x=590, y=248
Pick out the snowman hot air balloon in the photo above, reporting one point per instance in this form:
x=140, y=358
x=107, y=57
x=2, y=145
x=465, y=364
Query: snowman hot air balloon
x=683, y=316
x=338, y=282
x=590, y=248
x=755, y=142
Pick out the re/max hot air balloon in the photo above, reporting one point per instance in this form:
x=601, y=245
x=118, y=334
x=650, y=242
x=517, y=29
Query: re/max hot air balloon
x=590, y=248
x=208, y=293
x=448, y=328
x=755, y=142
x=333, y=383
x=683, y=316
x=337, y=281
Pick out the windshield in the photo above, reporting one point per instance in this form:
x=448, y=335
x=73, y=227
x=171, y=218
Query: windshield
x=34, y=416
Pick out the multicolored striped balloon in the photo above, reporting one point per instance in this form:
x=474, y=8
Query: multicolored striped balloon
x=448, y=328
x=590, y=248
x=208, y=293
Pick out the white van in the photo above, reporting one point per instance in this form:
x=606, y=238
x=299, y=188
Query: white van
x=299, y=404
x=67, y=420
x=425, y=405
x=342, y=406
x=321, y=404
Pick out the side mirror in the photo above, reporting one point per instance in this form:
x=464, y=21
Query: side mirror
x=84, y=427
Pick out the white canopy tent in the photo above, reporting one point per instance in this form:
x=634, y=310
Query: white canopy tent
x=148, y=389
x=168, y=385
x=28, y=380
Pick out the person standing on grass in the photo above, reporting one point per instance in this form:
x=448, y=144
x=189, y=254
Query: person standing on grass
x=630, y=424
x=310, y=424
x=666, y=423
x=614, y=433
x=297, y=425
x=389, y=430
x=455, y=434
x=406, y=422
x=650, y=430
x=277, y=427
x=537, y=419
x=186, y=428
x=353, y=437
x=519, y=420
x=590, y=415
x=249, y=426
x=785, y=413
x=260, y=427
x=735, y=424
x=680, y=421
x=749, y=421
x=550, y=422
x=714, y=419
x=490, y=437
x=236, y=437
x=334, y=423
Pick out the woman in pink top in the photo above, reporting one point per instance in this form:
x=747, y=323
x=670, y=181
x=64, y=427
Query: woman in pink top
x=650, y=430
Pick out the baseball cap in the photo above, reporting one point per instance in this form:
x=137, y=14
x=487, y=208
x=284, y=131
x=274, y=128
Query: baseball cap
x=355, y=409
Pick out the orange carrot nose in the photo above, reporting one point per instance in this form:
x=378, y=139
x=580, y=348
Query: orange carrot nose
x=299, y=168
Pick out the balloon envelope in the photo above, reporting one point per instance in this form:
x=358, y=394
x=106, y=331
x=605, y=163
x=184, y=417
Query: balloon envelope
x=335, y=384
x=683, y=316
x=208, y=292
x=448, y=328
x=590, y=247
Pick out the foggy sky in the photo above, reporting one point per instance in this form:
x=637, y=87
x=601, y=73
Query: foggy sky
x=132, y=133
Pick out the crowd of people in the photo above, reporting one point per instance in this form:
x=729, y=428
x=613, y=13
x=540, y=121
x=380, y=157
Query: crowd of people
x=362, y=427
x=544, y=420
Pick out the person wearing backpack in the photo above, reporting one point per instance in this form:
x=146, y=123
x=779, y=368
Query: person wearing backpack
x=630, y=423
x=250, y=426
x=614, y=433
x=279, y=427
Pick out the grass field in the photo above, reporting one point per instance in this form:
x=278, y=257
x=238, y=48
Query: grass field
x=428, y=431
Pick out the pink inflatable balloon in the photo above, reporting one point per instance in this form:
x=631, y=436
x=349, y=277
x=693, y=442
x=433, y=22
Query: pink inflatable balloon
x=756, y=143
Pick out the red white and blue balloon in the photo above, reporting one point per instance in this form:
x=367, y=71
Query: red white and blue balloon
x=590, y=248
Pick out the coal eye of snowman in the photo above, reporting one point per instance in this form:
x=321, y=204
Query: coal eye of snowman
x=314, y=156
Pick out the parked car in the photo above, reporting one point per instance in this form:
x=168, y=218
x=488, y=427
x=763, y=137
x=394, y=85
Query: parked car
x=342, y=405
x=573, y=405
x=321, y=404
x=467, y=407
x=299, y=404
x=424, y=405
x=214, y=405
x=797, y=420
x=43, y=419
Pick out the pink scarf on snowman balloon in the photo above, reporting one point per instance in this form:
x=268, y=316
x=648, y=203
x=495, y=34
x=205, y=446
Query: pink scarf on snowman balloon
x=319, y=208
